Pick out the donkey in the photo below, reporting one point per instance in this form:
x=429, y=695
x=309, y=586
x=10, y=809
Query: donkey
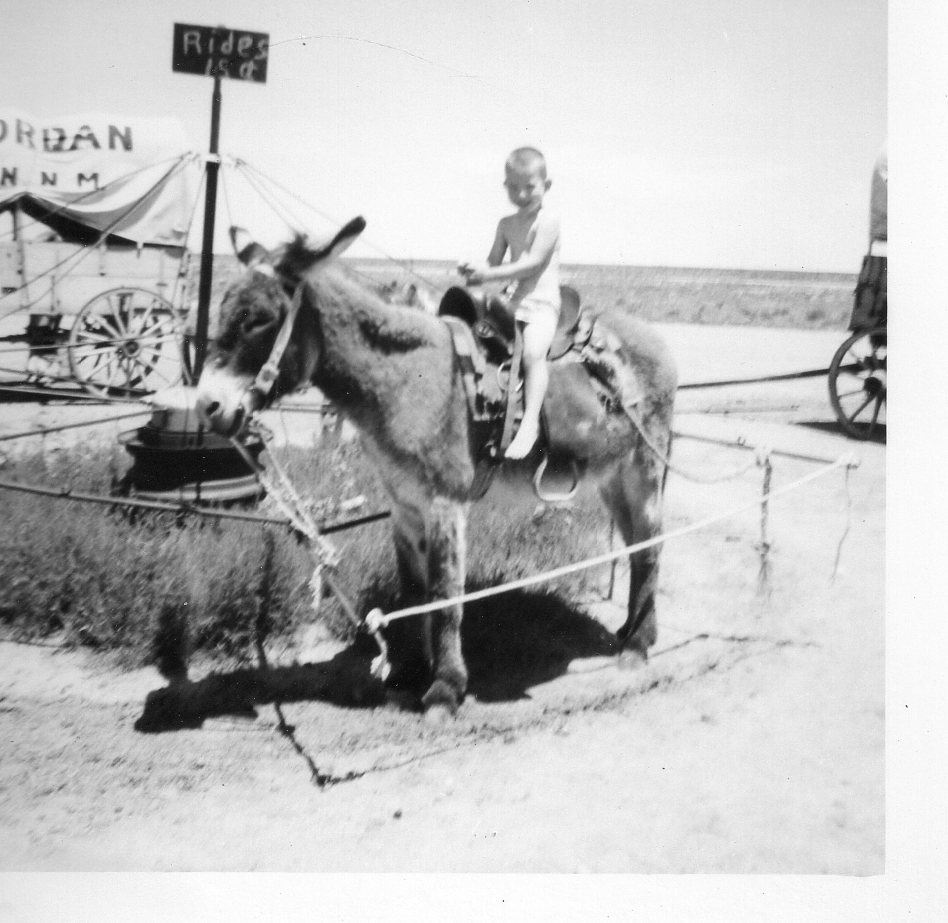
x=394, y=373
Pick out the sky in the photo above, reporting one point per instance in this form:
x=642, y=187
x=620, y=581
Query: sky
x=720, y=133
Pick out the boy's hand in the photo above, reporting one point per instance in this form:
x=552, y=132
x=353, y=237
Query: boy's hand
x=472, y=274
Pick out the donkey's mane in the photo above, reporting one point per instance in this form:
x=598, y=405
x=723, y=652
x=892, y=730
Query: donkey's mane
x=387, y=337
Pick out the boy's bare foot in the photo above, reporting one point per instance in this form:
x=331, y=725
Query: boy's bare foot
x=523, y=442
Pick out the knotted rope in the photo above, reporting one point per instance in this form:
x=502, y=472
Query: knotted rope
x=280, y=489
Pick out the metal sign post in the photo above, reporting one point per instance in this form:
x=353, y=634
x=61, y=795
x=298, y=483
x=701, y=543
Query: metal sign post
x=215, y=52
x=174, y=458
x=207, y=245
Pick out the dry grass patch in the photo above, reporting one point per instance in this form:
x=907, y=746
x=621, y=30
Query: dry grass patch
x=157, y=588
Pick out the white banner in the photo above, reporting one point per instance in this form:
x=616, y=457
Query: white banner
x=79, y=153
x=115, y=174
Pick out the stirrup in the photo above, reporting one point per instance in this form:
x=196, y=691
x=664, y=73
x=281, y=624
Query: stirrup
x=555, y=498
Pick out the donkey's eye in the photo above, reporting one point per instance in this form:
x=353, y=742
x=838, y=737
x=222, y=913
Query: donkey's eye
x=255, y=323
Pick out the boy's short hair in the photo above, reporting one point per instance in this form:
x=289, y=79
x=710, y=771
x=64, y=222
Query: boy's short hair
x=527, y=158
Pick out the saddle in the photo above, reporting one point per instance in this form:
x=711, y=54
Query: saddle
x=584, y=413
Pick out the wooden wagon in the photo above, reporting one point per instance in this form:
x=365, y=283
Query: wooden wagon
x=857, y=372
x=95, y=276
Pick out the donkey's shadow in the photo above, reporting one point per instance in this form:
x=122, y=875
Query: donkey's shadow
x=529, y=639
x=511, y=643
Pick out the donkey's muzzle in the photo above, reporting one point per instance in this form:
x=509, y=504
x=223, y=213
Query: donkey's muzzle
x=224, y=412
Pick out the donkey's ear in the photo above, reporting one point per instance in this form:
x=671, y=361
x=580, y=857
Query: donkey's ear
x=298, y=259
x=248, y=251
x=343, y=239
x=339, y=243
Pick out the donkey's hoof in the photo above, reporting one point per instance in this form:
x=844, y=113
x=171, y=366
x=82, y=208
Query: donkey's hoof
x=631, y=658
x=437, y=715
x=401, y=700
x=440, y=702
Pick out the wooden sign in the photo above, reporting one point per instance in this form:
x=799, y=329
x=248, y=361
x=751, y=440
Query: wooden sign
x=217, y=50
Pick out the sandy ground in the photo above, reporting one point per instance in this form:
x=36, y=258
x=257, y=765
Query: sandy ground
x=752, y=741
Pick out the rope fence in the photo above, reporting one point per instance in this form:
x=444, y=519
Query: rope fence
x=786, y=376
x=377, y=619
x=50, y=393
x=183, y=508
x=148, y=339
x=742, y=443
x=46, y=430
x=65, y=395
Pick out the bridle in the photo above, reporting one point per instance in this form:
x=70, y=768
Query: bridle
x=270, y=371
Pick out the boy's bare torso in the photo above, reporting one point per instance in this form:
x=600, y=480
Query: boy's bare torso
x=520, y=231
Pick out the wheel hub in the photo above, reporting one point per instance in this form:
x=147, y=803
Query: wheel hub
x=129, y=350
x=874, y=385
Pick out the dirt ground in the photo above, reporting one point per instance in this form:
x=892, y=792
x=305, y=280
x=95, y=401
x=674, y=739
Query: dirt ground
x=753, y=740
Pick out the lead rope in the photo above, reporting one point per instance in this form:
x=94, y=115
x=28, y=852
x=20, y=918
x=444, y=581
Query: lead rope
x=326, y=557
x=289, y=502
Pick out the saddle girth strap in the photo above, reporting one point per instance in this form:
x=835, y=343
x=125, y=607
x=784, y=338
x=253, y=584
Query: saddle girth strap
x=470, y=361
x=472, y=366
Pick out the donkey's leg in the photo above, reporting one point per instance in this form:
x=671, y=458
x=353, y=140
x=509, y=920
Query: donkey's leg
x=170, y=644
x=633, y=494
x=410, y=638
x=446, y=553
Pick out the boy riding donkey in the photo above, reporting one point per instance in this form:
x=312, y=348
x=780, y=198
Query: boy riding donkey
x=532, y=235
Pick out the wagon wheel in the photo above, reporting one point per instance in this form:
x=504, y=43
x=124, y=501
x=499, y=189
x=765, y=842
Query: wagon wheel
x=857, y=383
x=123, y=337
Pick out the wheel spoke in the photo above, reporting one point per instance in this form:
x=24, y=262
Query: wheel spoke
x=116, y=304
x=875, y=414
x=100, y=367
x=121, y=370
x=111, y=360
x=843, y=395
x=857, y=380
x=118, y=342
x=855, y=360
x=139, y=370
x=87, y=358
x=156, y=372
x=166, y=325
x=860, y=409
x=90, y=334
x=144, y=317
x=852, y=368
x=104, y=320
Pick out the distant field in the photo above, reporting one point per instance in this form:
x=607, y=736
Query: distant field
x=700, y=296
x=656, y=293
